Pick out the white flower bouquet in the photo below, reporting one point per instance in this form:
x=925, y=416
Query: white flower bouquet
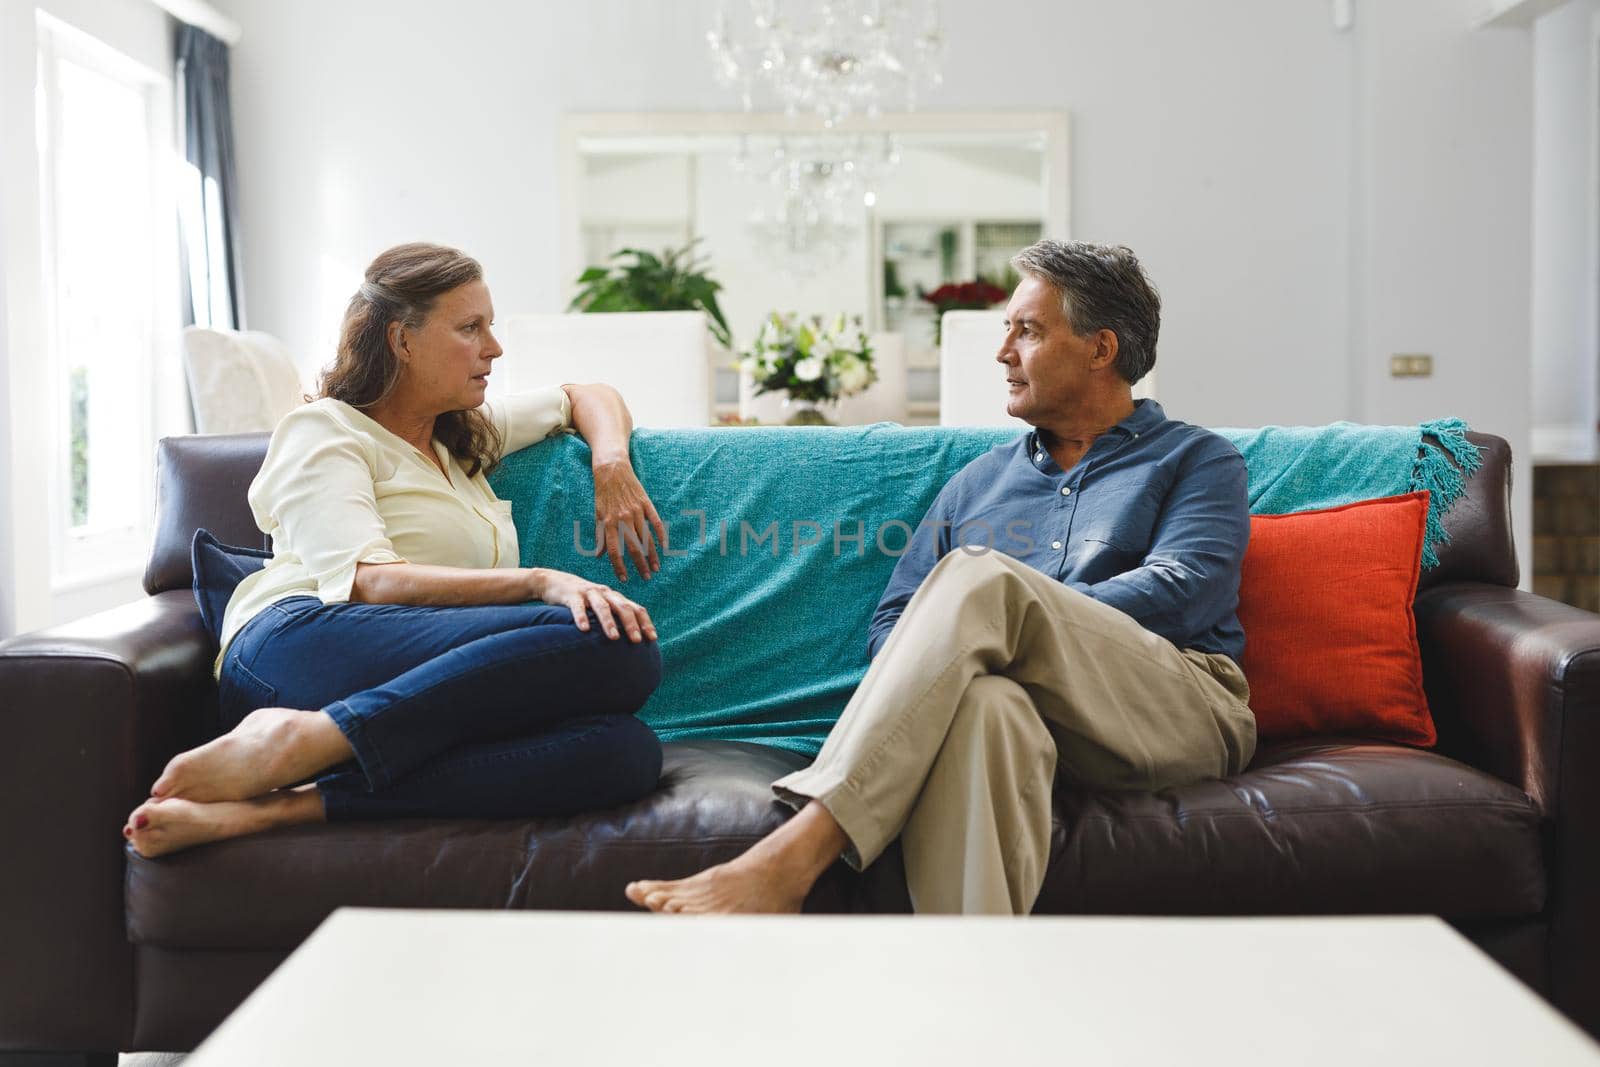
x=813, y=361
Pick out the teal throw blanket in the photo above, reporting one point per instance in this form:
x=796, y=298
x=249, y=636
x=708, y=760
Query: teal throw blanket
x=782, y=540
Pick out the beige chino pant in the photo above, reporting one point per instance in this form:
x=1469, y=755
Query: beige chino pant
x=994, y=675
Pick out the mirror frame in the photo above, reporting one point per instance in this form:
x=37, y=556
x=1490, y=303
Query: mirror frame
x=1057, y=176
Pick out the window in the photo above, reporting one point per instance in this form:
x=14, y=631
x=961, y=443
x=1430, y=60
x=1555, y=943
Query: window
x=109, y=233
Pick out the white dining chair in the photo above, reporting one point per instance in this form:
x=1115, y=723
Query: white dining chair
x=660, y=361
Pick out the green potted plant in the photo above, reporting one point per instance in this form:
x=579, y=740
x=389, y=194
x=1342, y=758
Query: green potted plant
x=637, y=280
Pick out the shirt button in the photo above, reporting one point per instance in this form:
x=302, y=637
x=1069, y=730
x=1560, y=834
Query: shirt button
x=1066, y=490
x=1038, y=457
x=1055, y=544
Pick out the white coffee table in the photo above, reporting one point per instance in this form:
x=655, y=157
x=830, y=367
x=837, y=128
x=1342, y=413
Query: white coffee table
x=394, y=988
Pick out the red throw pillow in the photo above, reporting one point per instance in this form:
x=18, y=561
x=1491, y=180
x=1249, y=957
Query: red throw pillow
x=1330, y=639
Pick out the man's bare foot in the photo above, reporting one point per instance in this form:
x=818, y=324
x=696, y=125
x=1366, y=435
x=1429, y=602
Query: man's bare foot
x=270, y=748
x=772, y=877
x=157, y=827
x=742, y=885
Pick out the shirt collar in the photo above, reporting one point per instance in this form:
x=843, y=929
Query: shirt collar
x=1147, y=415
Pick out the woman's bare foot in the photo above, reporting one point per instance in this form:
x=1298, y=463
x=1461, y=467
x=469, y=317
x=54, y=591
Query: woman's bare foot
x=157, y=827
x=773, y=877
x=270, y=748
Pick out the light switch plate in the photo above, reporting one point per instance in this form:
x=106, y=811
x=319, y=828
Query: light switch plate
x=1410, y=365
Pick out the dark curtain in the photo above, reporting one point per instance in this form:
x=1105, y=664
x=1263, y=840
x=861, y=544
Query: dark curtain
x=209, y=216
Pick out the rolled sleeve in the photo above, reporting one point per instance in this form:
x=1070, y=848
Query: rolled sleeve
x=315, y=498
x=529, y=417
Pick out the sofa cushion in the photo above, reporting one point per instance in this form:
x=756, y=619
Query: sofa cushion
x=1330, y=641
x=271, y=890
x=1313, y=826
x=218, y=570
x=239, y=381
x=1325, y=826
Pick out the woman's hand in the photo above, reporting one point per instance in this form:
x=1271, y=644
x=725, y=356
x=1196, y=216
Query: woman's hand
x=625, y=514
x=621, y=506
x=583, y=596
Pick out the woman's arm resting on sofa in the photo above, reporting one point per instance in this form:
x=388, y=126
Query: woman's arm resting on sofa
x=626, y=516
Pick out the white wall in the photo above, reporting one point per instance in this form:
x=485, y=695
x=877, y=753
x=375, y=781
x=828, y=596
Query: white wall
x=1442, y=218
x=363, y=124
x=1308, y=201
x=1566, y=232
x=1212, y=138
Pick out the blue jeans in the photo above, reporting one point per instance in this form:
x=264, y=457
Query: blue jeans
x=472, y=712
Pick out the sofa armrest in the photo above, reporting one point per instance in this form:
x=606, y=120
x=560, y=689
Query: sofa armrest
x=90, y=712
x=1514, y=683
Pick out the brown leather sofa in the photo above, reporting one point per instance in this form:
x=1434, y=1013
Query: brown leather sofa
x=1498, y=830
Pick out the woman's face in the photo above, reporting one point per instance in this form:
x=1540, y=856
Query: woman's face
x=450, y=356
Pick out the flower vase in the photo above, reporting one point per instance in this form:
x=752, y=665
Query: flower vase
x=805, y=413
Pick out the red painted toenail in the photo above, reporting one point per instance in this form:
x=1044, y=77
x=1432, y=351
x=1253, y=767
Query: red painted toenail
x=142, y=821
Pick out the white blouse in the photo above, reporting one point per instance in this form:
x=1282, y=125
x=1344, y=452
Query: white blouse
x=337, y=489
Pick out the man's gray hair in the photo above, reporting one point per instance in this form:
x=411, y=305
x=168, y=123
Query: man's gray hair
x=1102, y=287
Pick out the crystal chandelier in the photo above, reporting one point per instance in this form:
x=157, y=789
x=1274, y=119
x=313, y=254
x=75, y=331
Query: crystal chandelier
x=835, y=59
x=818, y=188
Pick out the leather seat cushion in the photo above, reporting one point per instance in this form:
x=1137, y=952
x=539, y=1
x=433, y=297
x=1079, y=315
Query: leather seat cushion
x=1321, y=825
x=1324, y=826
x=271, y=890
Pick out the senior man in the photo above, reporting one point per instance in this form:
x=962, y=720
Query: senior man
x=1098, y=639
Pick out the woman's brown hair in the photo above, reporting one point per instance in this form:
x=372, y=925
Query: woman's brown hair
x=402, y=285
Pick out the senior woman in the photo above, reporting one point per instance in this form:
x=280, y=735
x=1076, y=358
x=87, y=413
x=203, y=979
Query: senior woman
x=389, y=660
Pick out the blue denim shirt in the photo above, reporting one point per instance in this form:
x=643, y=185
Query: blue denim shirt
x=1153, y=521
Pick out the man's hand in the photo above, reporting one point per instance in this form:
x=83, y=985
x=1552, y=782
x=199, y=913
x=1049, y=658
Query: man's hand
x=625, y=514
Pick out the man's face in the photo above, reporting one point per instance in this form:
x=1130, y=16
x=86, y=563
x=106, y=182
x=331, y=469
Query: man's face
x=1047, y=366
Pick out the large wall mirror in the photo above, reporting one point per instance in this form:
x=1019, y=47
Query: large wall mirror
x=860, y=219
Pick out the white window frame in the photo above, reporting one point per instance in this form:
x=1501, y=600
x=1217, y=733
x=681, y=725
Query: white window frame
x=81, y=558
